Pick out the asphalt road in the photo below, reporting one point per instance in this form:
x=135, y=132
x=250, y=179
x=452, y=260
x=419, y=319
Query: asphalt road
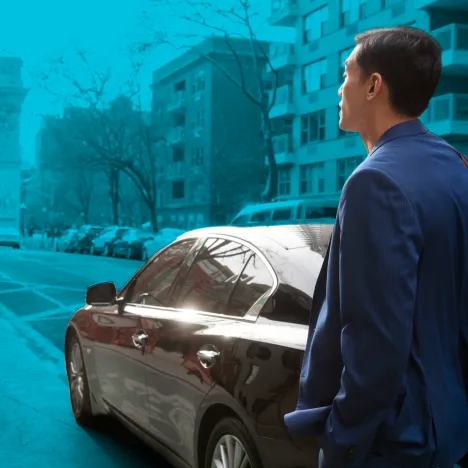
x=39, y=291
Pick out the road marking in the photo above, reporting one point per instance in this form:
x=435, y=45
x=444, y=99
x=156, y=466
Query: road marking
x=48, y=298
x=53, y=358
x=52, y=312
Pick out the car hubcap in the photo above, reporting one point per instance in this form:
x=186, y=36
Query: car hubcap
x=76, y=378
x=230, y=453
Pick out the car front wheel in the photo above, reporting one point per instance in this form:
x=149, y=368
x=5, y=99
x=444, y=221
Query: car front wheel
x=231, y=446
x=80, y=397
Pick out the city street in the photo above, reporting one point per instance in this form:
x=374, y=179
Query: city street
x=39, y=291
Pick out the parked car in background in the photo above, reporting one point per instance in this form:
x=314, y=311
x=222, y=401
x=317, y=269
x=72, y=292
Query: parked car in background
x=81, y=240
x=131, y=244
x=10, y=237
x=160, y=240
x=104, y=243
x=302, y=211
x=63, y=242
x=200, y=353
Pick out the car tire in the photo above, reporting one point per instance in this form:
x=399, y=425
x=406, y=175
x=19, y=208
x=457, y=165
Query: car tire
x=231, y=431
x=78, y=380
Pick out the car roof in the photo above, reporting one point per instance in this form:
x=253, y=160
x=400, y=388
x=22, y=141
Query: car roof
x=288, y=236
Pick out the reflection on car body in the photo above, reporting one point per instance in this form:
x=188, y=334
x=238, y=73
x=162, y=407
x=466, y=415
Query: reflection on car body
x=205, y=341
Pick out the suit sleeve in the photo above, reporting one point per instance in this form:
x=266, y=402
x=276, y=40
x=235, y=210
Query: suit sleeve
x=380, y=245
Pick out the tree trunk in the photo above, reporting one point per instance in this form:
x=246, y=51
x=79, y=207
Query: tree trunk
x=114, y=192
x=151, y=204
x=271, y=189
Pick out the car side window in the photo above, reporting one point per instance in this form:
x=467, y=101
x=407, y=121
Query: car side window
x=154, y=283
x=255, y=281
x=212, y=276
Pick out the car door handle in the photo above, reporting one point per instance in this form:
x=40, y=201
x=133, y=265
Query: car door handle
x=208, y=355
x=139, y=339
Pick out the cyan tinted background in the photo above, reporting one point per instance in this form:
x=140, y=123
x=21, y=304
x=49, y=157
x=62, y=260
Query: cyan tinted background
x=157, y=115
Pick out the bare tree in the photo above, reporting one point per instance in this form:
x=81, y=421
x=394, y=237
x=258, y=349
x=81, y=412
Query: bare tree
x=210, y=17
x=118, y=132
x=71, y=181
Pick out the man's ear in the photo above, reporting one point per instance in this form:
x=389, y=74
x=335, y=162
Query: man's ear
x=375, y=85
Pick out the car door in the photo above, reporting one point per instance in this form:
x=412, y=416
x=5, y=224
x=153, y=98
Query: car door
x=187, y=354
x=120, y=363
x=149, y=294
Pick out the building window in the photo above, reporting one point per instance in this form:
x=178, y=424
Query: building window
x=198, y=154
x=199, y=121
x=313, y=127
x=178, y=154
x=344, y=54
x=352, y=11
x=284, y=181
x=345, y=168
x=198, y=82
x=345, y=12
x=198, y=193
x=179, y=120
x=178, y=189
x=313, y=24
x=314, y=75
x=312, y=178
x=180, y=86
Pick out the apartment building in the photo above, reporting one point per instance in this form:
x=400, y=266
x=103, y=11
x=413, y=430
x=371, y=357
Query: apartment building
x=314, y=156
x=214, y=161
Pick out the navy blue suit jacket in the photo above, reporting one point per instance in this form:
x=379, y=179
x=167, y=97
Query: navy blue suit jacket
x=385, y=370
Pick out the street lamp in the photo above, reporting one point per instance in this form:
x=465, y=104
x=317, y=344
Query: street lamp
x=23, y=209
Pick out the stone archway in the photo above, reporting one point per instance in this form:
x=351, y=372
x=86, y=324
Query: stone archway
x=12, y=96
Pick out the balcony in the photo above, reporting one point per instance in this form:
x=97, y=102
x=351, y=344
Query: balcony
x=177, y=135
x=283, y=13
x=284, y=152
x=447, y=4
x=283, y=105
x=177, y=103
x=454, y=42
x=282, y=56
x=447, y=115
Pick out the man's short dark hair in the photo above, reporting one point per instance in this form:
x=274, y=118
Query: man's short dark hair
x=409, y=61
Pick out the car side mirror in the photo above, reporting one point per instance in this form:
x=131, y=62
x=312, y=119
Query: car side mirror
x=101, y=294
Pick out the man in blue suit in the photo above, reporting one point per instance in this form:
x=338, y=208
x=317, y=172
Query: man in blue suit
x=384, y=378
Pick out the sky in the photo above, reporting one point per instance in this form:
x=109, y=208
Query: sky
x=41, y=32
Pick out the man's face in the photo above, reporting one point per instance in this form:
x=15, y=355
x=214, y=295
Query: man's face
x=354, y=104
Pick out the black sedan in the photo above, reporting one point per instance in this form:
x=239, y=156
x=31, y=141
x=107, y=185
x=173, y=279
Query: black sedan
x=200, y=353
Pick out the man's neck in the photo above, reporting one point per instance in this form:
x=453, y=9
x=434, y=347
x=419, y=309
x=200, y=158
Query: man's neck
x=378, y=127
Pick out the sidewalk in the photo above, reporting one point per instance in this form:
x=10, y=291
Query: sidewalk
x=36, y=423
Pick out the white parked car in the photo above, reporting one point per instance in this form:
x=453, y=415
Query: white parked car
x=63, y=242
x=164, y=237
x=10, y=237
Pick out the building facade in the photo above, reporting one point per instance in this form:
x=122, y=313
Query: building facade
x=314, y=156
x=12, y=95
x=213, y=162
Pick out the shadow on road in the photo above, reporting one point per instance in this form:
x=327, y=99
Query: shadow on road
x=110, y=433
